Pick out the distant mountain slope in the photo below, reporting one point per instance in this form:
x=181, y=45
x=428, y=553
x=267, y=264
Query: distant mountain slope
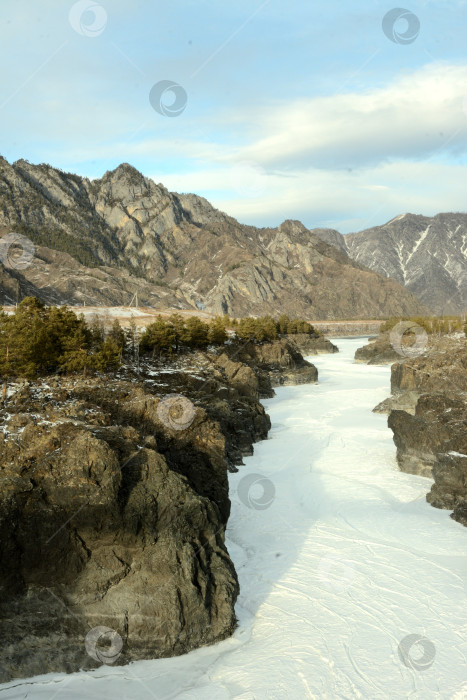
x=123, y=233
x=426, y=255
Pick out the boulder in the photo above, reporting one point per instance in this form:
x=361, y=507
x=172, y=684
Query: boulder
x=438, y=425
x=102, y=532
x=378, y=351
x=313, y=344
x=406, y=401
x=450, y=487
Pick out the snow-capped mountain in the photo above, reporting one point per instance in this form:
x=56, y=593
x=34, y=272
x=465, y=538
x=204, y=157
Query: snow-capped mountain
x=426, y=255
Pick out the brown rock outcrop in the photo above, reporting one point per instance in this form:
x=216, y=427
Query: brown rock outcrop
x=450, y=487
x=106, y=525
x=378, y=351
x=439, y=425
x=281, y=360
x=433, y=441
x=313, y=344
x=114, y=499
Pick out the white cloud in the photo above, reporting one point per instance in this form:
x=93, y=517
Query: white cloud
x=334, y=198
x=419, y=115
x=413, y=117
x=348, y=161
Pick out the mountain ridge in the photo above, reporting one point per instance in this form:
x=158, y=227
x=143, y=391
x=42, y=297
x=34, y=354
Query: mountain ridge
x=102, y=240
x=428, y=255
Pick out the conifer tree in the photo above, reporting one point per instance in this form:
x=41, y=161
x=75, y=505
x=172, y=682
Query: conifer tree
x=246, y=328
x=178, y=325
x=117, y=334
x=217, y=334
x=158, y=336
x=282, y=323
x=195, y=333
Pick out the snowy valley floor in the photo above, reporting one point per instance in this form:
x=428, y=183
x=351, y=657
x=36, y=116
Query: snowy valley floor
x=339, y=558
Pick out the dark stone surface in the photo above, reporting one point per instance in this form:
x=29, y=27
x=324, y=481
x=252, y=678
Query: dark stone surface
x=439, y=425
x=113, y=515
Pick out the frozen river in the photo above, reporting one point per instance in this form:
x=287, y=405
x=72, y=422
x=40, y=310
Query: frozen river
x=352, y=586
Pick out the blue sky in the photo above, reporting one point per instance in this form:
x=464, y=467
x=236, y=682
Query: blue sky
x=303, y=110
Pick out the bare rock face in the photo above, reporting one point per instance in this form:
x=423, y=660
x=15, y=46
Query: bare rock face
x=406, y=401
x=378, y=351
x=281, y=360
x=450, y=487
x=101, y=530
x=114, y=503
x=123, y=233
x=313, y=345
x=433, y=441
x=240, y=376
x=443, y=368
x=439, y=425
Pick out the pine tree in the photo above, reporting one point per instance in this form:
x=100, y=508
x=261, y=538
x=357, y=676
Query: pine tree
x=266, y=329
x=196, y=332
x=282, y=323
x=178, y=325
x=97, y=331
x=8, y=349
x=158, y=336
x=108, y=357
x=117, y=334
x=217, y=334
x=76, y=356
x=131, y=338
x=246, y=329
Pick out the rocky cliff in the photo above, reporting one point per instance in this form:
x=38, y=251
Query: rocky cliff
x=101, y=241
x=378, y=351
x=431, y=438
x=113, y=507
x=312, y=345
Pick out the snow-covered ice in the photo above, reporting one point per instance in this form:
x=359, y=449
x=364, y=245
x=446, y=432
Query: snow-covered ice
x=339, y=558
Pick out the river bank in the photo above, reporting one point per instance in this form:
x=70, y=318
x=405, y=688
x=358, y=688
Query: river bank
x=339, y=558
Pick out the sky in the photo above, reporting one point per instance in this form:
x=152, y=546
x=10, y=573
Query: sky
x=341, y=115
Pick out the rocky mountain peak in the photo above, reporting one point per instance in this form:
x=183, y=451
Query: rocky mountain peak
x=426, y=254
x=179, y=249
x=124, y=171
x=332, y=237
x=293, y=227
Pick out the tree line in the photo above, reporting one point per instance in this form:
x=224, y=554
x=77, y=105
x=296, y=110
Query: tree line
x=433, y=325
x=38, y=339
x=177, y=332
